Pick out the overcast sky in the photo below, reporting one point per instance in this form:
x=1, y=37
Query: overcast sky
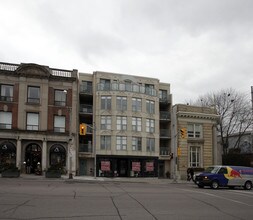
x=198, y=46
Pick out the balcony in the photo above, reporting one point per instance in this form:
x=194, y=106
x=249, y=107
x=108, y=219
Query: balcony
x=165, y=99
x=86, y=109
x=86, y=89
x=164, y=116
x=165, y=151
x=126, y=87
x=165, y=133
x=85, y=148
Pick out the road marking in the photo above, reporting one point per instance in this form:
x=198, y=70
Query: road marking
x=220, y=197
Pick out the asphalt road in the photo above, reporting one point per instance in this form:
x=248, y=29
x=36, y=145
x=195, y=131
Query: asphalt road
x=60, y=199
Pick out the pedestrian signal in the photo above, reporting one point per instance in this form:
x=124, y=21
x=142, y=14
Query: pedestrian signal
x=83, y=129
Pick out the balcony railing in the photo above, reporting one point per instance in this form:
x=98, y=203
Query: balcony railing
x=165, y=133
x=86, y=89
x=164, y=115
x=6, y=98
x=165, y=99
x=5, y=126
x=8, y=66
x=127, y=88
x=85, y=148
x=164, y=151
x=86, y=109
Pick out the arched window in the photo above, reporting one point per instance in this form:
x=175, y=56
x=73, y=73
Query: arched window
x=7, y=154
x=57, y=155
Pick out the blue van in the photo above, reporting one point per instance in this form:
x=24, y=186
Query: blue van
x=225, y=176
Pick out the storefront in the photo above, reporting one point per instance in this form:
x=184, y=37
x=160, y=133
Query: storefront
x=112, y=166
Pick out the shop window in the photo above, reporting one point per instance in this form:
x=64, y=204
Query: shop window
x=5, y=120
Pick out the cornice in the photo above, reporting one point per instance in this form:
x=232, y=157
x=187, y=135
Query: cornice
x=197, y=115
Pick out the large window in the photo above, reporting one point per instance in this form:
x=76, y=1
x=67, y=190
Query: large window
x=136, y=124
x=32, y=121
x=60, y=97
x=121, y=123
x=195, y=156
x=105, y=84
x=136, y=144
x=121, y=143
x=59, y=124
x=105, y=142
x=163, y=95
x=106, y=122
x=57, y=156
x=5, y=120
x=150, y=125
x=6, y=93
x=150, y=107
x=194, y=131
x=150, y=145
x=106, y=102
x=121, y=103
x=136, y=105
x=33, y=95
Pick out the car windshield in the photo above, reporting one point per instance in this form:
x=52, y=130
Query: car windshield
x=211, y=169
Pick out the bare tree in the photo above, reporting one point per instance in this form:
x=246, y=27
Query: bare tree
x=235, y=113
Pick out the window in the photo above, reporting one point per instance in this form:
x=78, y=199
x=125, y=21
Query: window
x=5, y=120
x=106, y=122
x=105, y=84
x=149, y=89
x=136, y=124
x=150, y=125
x=136, y=144
x=59, y=124
x=128, y=85
x=121, y=123
x=150, y=145
x=105, y=142
x=121, y=143
x=106, y=102
x=86, y=87
x=121, y=103
x=150, y=107
x=163, y=95
x=33, y=95
x=32, y=121
x=136, y=105
x=6, y=93
x=194, y=130
x=194, y=156
x=60, y=98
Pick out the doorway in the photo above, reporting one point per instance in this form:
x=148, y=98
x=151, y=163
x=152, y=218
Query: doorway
x=32, y=158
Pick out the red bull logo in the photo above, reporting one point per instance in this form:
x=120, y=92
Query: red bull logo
x=232, y=174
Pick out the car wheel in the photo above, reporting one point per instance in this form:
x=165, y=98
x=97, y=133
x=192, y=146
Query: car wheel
x=248, y=185
x=215, y=184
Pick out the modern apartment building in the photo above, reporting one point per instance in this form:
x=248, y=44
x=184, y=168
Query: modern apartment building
x=129, y=125
x=195, y=138
x=128, y=120
x=38, y=117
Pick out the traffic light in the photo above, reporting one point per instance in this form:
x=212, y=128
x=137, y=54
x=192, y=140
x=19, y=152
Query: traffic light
x=83, y=129
x=183, y=132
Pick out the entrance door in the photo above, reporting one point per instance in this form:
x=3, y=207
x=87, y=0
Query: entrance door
x=83, y=167
x=32, y=158
x=161, y=169
x=122, y=167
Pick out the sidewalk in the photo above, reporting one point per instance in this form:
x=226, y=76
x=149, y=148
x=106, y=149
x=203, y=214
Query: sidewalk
x=150, y=180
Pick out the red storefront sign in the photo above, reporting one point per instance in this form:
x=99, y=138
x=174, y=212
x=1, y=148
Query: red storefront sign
x=149, y=166
x=136, y=166
x=105, y=165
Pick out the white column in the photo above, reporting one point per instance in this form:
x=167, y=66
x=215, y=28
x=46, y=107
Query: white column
x=18, y=155
x=44, y=155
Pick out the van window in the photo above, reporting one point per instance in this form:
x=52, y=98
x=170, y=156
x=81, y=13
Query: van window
x=223, y=170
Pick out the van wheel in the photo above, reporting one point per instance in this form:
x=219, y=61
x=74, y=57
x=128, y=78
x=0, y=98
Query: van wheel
x=248, y=185
x=215, y=184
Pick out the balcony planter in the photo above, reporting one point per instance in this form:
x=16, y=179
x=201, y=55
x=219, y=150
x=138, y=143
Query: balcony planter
x=11, y=173
x=53, y=174
x=54, y=171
